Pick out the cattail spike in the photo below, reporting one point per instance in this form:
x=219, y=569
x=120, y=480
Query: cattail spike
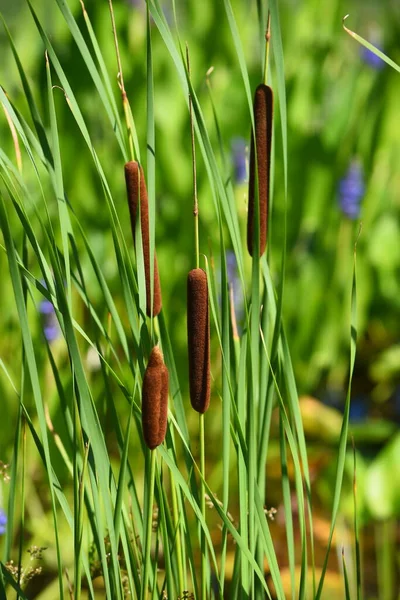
x=198, y=327
x=155, y=400
x=263, y=113
x=132, y=176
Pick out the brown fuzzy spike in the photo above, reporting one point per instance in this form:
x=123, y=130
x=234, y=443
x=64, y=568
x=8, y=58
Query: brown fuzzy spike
x=198, y=327
x=263, y=112
x=155, y=400
x=132, y=188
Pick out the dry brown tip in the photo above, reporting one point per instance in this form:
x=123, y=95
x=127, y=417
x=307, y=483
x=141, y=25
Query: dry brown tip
x=155, y=400
x=260, y=166
x=198, y=328
x=136, y=188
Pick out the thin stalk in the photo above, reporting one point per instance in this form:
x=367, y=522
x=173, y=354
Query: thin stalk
x=178, y=544
x=81, y=504
x=77, y=561
x=148, y=525
x=203, y=594
x=195, y=201
x=226, y=403
x=125, y=102
x=151, y=152
x=253, y=400
x=267, y=39
x=22, y=523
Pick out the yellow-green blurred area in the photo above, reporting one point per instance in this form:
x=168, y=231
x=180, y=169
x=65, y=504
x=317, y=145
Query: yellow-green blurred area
x=343, y=113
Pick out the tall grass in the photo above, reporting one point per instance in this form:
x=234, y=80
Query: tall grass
x=111, y=510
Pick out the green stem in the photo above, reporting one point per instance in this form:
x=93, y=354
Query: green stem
x=125, y=101
x=203, y=595
x=148, y=525
x=267, y=39
x=195, y=201
x=178, y=536
x=22, y=521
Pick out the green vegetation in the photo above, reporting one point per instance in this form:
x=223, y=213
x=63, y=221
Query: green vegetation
x=261, y=495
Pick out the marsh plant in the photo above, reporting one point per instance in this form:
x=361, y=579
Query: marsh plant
x=147, y=476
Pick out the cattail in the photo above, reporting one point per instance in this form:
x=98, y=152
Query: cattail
x=133, y=185
x=198, y=326
x=155, y=400
x=263, y=111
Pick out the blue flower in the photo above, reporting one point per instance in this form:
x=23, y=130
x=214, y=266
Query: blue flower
x=51, y=327
x=3, y=521
x=372, y=59
x=238, y=147
x=358, y=409
x=351, y=191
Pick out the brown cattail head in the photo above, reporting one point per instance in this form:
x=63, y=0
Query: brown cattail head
x=263, y=111
x=198, y=326
x=135, y=182
x=155, y=400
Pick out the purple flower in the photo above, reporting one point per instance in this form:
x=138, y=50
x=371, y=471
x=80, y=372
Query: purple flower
x=238, y=147
x=351, y=191
x=46, y=307
x=51, y=327
x=372, y=59
x=3, y=521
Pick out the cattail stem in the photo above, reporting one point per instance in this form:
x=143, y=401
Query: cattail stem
x=203, y=594
x=178, y=542
x=130, y=124
x=148, y=527
x=195, y=200
x=267, y=39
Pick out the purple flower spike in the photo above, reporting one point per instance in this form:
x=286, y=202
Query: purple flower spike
x=46, y=307
x=3, y=521
x=351, y=191
x=238, y=147
x=51, y=332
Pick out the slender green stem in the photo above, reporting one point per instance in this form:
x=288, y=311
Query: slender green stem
x=81, y=506
x=178, y=543
x=22, y=522
x=195, y=201
x=267, y=39
x=125, y=102
x=77, y=591
x=148, y=525
x=203, y=595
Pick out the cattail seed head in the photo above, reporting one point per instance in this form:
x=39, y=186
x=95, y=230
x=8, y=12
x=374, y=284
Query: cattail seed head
x=136, y=188
x=263, y=112
x=198, y=327
x=155, y=400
